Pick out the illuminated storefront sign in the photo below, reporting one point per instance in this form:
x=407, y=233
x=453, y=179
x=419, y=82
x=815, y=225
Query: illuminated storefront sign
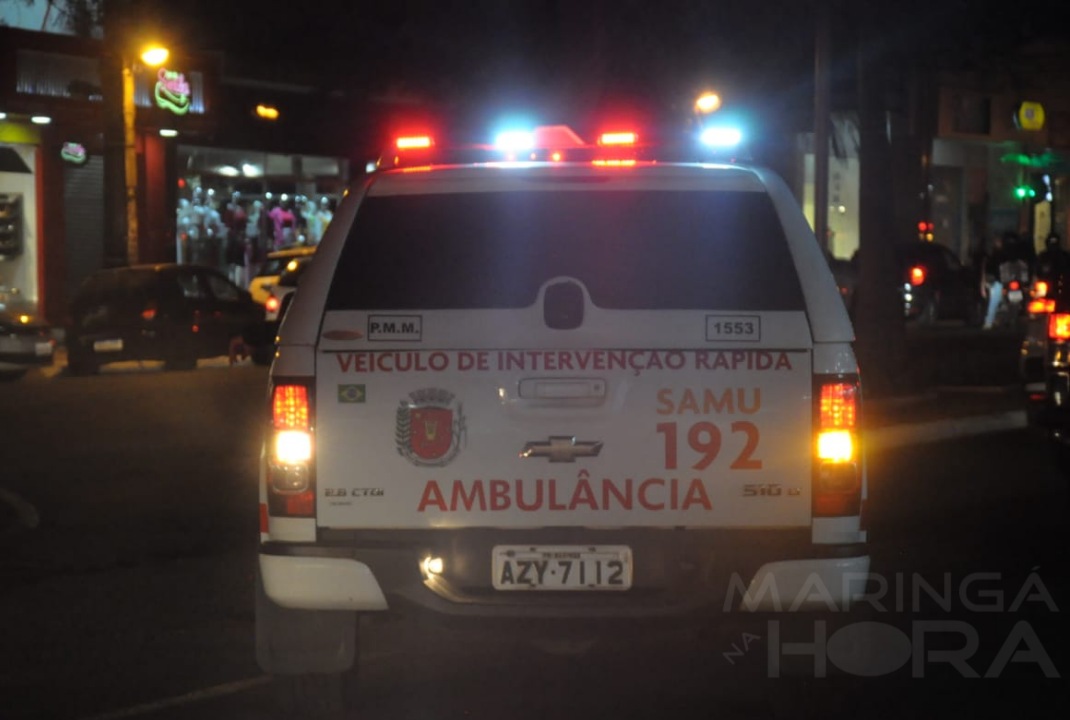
x=73, y=152
x=1029, y=116
x=172, y=91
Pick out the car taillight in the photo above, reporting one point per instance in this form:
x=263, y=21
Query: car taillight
x=917, y=275
x=1041, y=306
x=291, y=491
x=837, y=463
x=1059, y=326
x=271, y=304
x=149, y=311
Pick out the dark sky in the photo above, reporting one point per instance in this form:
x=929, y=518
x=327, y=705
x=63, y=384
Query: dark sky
x=506, y=46
x=576, y=55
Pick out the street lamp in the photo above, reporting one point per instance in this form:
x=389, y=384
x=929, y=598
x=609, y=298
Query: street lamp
x=707, y=102
x=153, y=56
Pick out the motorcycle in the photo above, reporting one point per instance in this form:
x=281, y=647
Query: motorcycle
x=1015, y=278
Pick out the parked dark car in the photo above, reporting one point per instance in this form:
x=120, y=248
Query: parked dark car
x=934, y=284
x=1048, y=406
x=938, y=286
x=169, y=312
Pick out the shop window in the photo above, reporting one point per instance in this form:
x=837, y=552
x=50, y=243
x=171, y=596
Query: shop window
x=10, y=225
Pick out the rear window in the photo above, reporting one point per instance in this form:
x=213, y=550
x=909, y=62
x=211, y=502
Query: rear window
x=115, y=286
x=631, y=249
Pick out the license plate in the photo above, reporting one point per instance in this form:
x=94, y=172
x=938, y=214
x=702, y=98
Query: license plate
x=1015, y=295
x=561, y=567
x=42, y=349
x=108, y=345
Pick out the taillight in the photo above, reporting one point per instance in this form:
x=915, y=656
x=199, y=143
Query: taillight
x=837, y=463
x=1041, y=306
x=271, y=304
x=917, y=275
x=149, y=311
x=1059, y=326
x=291, y=490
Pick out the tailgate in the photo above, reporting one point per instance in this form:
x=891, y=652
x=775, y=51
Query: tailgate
x=488, y=418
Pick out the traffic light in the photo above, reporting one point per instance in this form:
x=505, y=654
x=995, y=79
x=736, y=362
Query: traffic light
x=1025, y=192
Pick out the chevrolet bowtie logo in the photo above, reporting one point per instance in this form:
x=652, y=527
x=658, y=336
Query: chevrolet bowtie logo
x=561, y=448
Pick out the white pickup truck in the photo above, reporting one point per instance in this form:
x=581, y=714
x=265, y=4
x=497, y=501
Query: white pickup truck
x=593, y=388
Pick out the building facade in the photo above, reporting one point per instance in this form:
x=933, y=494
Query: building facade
x=992, y=155
x=213, y=152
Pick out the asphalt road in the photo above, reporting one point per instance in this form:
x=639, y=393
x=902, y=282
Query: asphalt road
x=126, y=578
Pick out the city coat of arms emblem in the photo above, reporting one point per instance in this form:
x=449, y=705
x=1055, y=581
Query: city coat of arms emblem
x=429, y=427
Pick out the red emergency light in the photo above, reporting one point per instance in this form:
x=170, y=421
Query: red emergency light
x=618, y=138
x=413, y=142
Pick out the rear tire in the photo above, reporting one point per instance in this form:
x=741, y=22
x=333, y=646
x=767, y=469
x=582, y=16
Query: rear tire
x=327, y=696
x=82, y=364
x=313, y=654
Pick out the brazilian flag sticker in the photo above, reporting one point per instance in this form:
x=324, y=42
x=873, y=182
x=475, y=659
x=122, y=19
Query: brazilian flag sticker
x=350, y=393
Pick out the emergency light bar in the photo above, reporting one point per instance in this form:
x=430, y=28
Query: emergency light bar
x=618, y=138
x=416, y=142
x=721, y=137
x=617, y=147
x=515, y=140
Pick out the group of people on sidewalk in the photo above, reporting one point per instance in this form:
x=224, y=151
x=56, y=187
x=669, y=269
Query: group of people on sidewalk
x=1011, y=257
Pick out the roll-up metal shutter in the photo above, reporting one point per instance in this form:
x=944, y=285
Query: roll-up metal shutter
x=83, y=202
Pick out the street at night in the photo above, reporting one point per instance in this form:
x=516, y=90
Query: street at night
x=529, y=359
x=131, y=593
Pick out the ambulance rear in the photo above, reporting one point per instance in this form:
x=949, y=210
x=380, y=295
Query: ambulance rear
x=564, y=392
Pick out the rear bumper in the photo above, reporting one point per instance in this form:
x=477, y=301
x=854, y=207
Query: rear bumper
x=678, y=574
x=138, y=344
x=26, y=350
x=24, y=360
